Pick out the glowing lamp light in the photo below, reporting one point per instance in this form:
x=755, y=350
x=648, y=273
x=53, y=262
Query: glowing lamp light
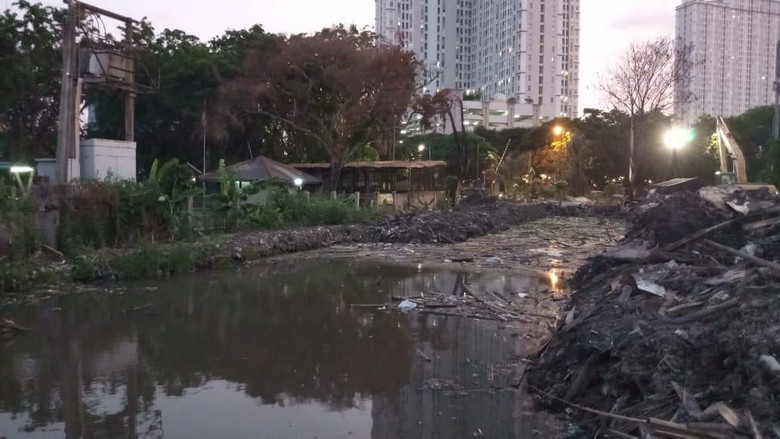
x=557, y=130
x=677, y=137
x=21, y=169
x=421, y=148
x=298, y=182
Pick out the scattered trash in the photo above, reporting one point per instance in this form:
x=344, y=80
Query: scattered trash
x=407, y=305
x=422, y=355
x=649, y=286
x=493, y=261
x=770, y=364
x=750, y=249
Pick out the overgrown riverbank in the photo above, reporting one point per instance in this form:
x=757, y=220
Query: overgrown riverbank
x=468, y=220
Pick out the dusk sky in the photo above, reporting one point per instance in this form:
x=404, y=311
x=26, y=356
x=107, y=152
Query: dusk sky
x=607, y=26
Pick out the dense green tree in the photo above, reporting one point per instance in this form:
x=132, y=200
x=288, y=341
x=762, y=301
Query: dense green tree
x=483, y=155
x=753, y=132
x=168, y=122
x=30, y=64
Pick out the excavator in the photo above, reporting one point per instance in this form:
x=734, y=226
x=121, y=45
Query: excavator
x=733, y=168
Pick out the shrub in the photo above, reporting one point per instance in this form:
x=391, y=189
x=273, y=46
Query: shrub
x=17, y=224
x=119, y=213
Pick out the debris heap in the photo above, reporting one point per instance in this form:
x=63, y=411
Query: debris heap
x=474, y=216
x=676, y=332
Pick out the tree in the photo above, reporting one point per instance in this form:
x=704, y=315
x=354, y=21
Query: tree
x=337, y=88
x=753, y=132
x=189, y=73
x=443, y=106
x=643, y=82
x=168, y=122
x=30, y=63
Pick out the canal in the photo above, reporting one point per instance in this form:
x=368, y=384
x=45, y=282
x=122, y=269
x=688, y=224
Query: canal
x=272, y=351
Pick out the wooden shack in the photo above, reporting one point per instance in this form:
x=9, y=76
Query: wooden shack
x=402, y=184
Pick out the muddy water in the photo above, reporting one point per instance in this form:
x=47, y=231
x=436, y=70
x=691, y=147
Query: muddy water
x=272, y=352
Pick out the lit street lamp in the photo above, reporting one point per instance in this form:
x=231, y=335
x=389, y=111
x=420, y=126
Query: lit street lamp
x=557, y=130
x=421, y=149
x=676, y=138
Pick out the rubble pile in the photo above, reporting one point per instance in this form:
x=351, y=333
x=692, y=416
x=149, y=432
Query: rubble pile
x=676, y=332
x=474, y=216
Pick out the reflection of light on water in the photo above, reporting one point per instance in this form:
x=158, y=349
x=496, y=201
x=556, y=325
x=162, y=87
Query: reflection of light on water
x=553, y=279
x=419, y=267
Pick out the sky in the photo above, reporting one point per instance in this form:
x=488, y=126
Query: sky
x=606, y=26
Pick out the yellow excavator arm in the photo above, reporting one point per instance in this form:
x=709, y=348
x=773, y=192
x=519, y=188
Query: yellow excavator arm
x=729, y=151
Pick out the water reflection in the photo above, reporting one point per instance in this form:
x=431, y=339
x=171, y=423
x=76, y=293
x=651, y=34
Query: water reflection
x=274, y=352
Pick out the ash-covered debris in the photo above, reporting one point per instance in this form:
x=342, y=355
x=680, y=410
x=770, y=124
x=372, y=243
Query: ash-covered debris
x=677, y=330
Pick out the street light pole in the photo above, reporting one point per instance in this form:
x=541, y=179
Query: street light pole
x=675, y=139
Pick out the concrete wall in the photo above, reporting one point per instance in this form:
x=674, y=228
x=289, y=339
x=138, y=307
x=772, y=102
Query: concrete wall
x=102, y=158
x=408, y=200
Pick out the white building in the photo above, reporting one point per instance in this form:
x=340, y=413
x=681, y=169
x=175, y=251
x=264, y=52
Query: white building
x=733, y=47
x=525, y=50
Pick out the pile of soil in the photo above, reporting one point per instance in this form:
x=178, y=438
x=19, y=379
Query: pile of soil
x=474, y=216
x=469, y=219
x=675, y=329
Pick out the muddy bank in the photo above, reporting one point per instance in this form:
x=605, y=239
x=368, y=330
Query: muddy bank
x=677, y=331
x=473, y=218
x=559, y=244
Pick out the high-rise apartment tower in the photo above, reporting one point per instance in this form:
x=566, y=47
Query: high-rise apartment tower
x=733, y=46
x=525, y=50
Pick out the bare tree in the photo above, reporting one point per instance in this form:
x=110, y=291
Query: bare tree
x=643, y=82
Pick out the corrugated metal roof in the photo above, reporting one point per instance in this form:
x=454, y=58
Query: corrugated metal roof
x=675, y=182
x=262, y=168
x=399, y=164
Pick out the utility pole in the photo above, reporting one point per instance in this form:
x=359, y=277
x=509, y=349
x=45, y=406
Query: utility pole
x=130, y=96
x=67, y=128
x=113, y=74
x=776, y=123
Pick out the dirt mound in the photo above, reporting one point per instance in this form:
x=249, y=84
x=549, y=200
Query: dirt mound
x=687, y=331
x=465, y=221
x=666, y=221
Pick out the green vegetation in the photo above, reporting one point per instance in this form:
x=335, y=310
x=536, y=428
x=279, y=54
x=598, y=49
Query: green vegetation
x=121, y=213
x=147, y=261
x=18, y=236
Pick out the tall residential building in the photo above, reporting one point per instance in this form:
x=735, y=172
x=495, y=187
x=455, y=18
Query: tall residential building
x=733, y=45
x=525, y=50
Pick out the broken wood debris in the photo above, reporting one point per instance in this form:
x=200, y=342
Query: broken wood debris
x=689, y=323
x=463, y=302
x=9, y=328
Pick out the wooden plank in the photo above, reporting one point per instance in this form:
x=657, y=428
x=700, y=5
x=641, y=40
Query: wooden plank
x=754, y=259
x=761, y=224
